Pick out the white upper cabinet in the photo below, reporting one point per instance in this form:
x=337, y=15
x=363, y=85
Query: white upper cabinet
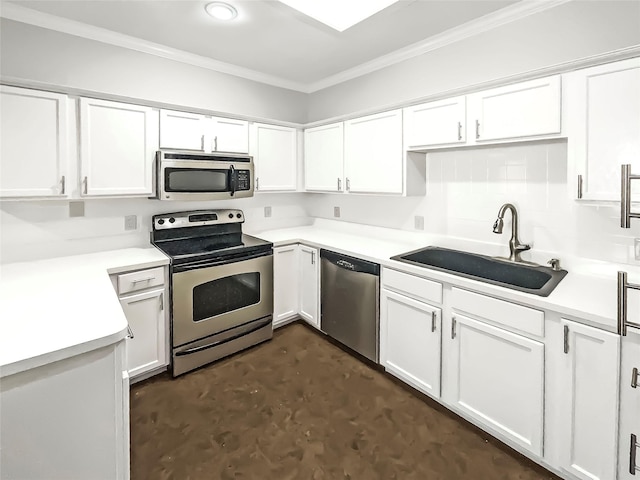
x=33, y=150
x=604, y=127
x=435, y=123
x=589, y=402
x=526, y=109
x=192, y=131
x=118, y=142
x=274, y=151
x=229, y=135
x=373, y=153
x=324, y=158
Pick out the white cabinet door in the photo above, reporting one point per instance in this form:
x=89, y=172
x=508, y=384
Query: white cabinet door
x=323, y=158
x=410, y=341
x=229, y=135
x=499, y=380
x=373, y=153
x=590, y=402
x=182, y=130
x=526, y=109
x=604, y=126
x=118, y=143
x=629, y=436
x=147, y=347
x=309, y=284
x=285, y=283
x=435, y=123
x=274, y=151
x=33, y=150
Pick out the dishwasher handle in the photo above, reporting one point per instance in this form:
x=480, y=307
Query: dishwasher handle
x=350, y=263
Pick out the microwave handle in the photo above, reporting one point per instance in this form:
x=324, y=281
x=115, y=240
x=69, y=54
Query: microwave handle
x=232, y=179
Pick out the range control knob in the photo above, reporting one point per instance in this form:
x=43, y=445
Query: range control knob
x=231, y=215
x=238, y=215
x=172, y=220
x=161, y=221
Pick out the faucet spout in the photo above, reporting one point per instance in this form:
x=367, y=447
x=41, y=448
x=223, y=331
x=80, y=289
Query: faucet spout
x=515, y=247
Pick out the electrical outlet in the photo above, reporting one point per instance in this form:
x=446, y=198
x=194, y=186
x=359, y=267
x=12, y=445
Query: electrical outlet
x=418, y=222
x=636, y=248
x=76, y=209
x=131, y=222
x=267, y=211
x=336, y=212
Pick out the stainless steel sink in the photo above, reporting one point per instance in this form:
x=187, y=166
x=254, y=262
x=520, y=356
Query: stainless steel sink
x=532, y=278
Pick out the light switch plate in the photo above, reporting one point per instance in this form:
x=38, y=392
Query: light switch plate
x=131, y=222
x=267, y=211
x=418, y=222
x=336, y=212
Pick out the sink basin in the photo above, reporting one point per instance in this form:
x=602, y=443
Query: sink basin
x=534, y=279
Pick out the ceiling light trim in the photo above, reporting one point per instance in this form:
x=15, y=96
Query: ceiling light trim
x=29, y=16
x=474, y=27
x=485, y=23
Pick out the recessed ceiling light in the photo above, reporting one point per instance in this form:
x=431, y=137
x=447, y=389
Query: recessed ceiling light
x=221, y=11
x=339, y=14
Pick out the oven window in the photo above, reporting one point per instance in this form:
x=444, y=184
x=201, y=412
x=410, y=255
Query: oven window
x=195, y=180
x=225, y=295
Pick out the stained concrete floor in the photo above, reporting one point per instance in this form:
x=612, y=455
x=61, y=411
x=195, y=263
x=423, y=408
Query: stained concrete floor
x=298, y=407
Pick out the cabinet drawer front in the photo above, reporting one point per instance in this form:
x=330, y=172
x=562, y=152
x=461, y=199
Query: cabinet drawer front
x=510, y=315
x=413, y=286
x=132, y=282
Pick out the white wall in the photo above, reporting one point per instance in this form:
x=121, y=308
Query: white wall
x=466, y=187
x=32, y=230
x=35, y=54
x=570, y=31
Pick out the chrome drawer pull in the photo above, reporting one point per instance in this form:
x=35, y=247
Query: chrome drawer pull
x=140, y=280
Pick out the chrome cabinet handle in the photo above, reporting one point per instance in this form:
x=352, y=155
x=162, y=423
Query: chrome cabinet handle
x=433, y=321
x=459, y=130
x=313, y=257
x=162, y=301
x=139, y=280
x=635, y=376
x=257, y=183
x=215, y=143
x=477, y=129
x=348, y=184
x=579, y=186
x=453, y=327
x=86, y=185
x=623, y=285
x=63, y=184
x=339, y=184
x=130, y=332
x=566, y=339
x=633, y=451
x=625, y=196
x=202, y=142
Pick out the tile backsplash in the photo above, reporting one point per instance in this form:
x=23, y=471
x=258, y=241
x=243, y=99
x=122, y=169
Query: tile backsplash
x=467, y=186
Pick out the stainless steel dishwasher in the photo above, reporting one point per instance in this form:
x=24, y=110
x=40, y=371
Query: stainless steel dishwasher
x=349, y=308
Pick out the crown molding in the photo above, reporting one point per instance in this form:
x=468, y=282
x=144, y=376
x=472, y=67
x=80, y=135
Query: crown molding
x=22, y=14
x=503, y=16
x=474, y=27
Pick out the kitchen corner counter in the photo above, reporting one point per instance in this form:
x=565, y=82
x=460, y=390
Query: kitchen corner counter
x=587, y=294
x=61, y=307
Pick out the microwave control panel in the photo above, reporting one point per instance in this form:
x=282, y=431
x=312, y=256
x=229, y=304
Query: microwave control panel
x=243, y=180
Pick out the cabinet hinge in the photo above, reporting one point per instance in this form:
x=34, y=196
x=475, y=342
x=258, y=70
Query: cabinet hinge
x=635, y=376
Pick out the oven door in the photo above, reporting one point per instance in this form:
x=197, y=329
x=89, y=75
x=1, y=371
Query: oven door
x=210, y=300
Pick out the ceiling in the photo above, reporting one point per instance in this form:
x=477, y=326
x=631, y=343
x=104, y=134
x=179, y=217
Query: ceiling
x=271, y=39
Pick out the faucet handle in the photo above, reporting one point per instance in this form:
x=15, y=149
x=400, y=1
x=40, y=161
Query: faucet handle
x=555, y=264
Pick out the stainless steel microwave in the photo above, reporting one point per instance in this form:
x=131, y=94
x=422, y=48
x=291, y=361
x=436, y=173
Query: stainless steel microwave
x=203, y=176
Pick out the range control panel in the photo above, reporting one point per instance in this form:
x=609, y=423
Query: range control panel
x=197, y=218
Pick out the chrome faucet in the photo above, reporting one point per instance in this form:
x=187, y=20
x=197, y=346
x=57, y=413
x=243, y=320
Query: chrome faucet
x=515, y=247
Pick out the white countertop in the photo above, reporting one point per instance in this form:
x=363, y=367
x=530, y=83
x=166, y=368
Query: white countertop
x=587, y=294
x=57, y=308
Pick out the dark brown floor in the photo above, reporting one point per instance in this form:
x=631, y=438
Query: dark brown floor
x=298, y=407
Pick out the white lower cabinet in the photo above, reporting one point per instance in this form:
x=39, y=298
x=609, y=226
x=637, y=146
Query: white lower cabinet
x=309, y=261
x=285, y=283
x=410, y=341
x=629, y=432
x=589, y=401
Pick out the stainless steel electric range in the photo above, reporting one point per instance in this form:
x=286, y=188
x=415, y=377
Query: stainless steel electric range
x=221, y=285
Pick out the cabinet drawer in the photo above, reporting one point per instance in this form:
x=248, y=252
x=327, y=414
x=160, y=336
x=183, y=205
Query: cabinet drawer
x=132, y=282
x=413, y=286
x=510, y=315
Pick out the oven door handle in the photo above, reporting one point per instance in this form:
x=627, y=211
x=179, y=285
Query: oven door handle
x=214, y=263
x=232, y=179
x=201, y=348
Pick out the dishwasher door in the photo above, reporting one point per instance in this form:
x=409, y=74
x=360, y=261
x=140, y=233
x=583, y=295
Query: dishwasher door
x=349, y=308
